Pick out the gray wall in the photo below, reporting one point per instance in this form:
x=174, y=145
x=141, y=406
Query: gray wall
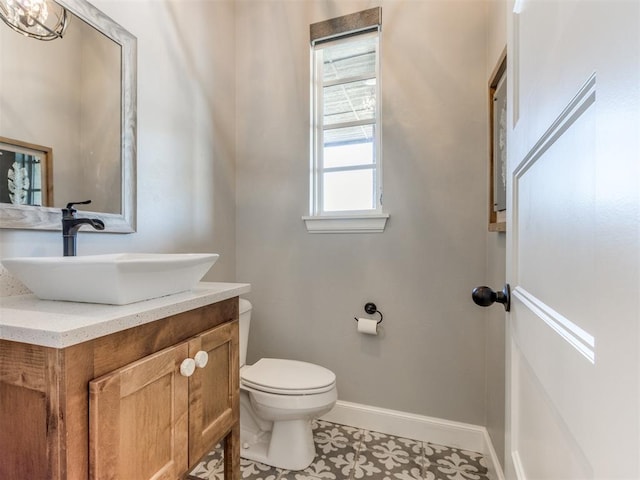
x=216, y=77
x=430, y=358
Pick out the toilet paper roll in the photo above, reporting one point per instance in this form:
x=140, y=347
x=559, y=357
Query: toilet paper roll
x=368, y=326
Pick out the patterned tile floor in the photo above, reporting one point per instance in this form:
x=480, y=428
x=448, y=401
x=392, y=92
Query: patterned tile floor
x=348, y=453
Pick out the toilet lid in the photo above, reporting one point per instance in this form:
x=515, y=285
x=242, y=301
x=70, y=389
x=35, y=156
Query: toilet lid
x=288, y=377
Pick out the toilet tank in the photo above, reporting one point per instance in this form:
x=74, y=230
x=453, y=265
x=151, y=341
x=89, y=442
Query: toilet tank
x=245, y=322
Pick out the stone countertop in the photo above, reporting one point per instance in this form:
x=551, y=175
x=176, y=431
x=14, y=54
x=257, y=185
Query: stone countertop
x=27, y=319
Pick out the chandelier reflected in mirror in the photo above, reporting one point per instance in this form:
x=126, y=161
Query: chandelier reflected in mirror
x=41, y=19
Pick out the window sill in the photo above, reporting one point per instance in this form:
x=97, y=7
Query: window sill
x=365, y=223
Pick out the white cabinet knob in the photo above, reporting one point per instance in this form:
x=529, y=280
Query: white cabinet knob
x=201, y=358
x=187, y=367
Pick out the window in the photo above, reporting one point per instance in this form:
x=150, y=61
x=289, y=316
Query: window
x=346, y=170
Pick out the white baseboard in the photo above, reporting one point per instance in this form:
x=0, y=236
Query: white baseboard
x=418, y=427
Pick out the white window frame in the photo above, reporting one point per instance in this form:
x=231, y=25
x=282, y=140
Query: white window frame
x=362, y=221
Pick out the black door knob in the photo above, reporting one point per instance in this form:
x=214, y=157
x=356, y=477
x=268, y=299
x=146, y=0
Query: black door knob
x=485, y=296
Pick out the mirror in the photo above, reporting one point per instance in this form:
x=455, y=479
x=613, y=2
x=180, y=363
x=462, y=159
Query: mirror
x=68, y=123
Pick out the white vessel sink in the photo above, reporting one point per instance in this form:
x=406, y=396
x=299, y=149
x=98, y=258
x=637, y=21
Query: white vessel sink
x=115, y=279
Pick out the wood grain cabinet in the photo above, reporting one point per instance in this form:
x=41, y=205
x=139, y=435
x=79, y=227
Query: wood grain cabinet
x=145, y=403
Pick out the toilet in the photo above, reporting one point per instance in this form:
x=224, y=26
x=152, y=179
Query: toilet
x=278, y=401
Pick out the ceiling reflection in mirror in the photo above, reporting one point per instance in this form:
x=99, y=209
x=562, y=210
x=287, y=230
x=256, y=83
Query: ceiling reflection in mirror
x=67, y=120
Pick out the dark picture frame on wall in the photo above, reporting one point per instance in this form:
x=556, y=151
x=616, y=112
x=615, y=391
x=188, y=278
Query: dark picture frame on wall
x=26, y=173
x=498, y=146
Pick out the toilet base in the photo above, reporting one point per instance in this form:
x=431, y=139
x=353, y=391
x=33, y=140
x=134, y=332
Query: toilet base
x=276, y=429
x=289, y=445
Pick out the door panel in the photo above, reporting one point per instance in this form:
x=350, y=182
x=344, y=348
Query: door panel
x=546, y=446
x=214, y=390
x=139, y=419
x=573, y=248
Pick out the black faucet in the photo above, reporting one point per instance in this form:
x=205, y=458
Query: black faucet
x=71, y=225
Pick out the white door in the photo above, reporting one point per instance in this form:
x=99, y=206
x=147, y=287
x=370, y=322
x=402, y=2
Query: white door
x=573, y=254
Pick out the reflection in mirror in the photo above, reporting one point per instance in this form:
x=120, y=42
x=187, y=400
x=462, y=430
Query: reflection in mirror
x=66, y=94
x=25, y=170
x=41, y=19
x=76, y=97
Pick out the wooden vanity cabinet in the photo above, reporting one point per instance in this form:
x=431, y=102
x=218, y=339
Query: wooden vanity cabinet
x=118, y=407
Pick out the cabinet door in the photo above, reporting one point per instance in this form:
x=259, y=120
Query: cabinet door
x=30, y=419
x=138, y=419
x=214, y=393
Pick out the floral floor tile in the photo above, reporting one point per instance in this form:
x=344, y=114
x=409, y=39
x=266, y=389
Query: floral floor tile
x=320, y=469
x=448, y=463
x=349, y=453
x=388, y=457
x=210, y=467
x=335, y=453
x=331, y=437
x=258, y=471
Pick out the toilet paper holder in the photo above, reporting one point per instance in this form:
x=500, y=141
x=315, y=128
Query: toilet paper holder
x=371, y=309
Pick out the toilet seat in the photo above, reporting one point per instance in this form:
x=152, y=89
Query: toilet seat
x=287, y=377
